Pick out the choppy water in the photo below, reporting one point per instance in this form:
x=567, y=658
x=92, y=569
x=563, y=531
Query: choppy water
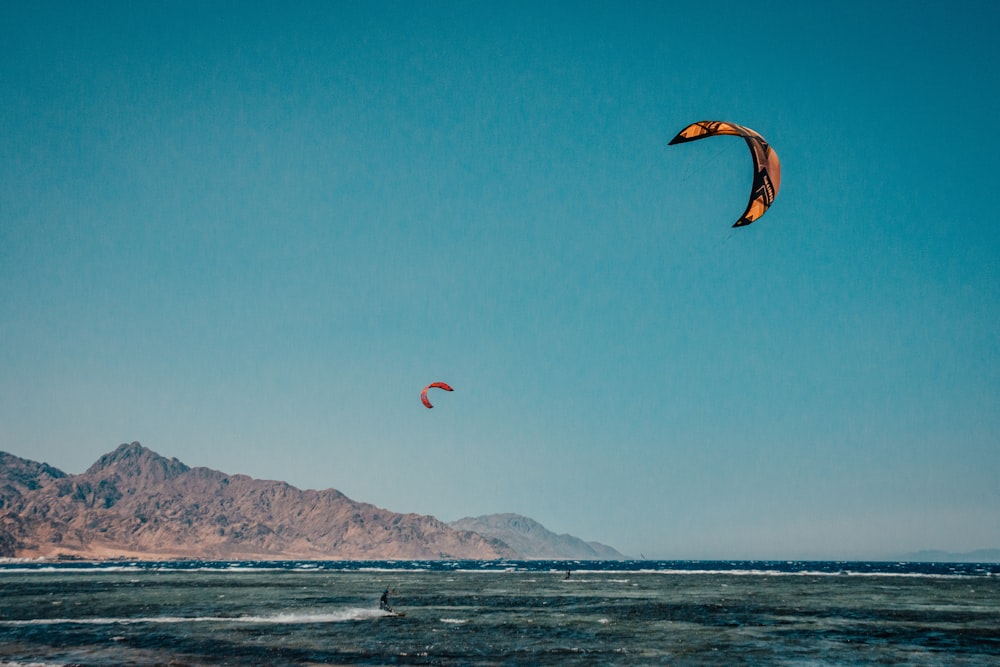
x=492, y=613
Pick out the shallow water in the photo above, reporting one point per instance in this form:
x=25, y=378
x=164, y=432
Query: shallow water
x=489, y=614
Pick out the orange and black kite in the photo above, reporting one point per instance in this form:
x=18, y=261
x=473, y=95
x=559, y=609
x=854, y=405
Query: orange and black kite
x=767, y=168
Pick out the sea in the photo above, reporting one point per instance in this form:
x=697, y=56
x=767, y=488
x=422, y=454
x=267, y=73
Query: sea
x=499, y=613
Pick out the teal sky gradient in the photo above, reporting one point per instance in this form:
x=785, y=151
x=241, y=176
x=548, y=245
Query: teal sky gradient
x=247, y=235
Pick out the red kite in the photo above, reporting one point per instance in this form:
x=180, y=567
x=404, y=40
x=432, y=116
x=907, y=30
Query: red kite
x=436, y=385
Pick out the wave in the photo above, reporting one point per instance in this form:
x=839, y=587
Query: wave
x=337, y=616
x=506, y=567
x=805, y=573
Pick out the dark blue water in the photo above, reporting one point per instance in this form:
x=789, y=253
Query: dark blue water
x=500, y=612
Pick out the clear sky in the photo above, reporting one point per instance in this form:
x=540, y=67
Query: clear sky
x=248, y=234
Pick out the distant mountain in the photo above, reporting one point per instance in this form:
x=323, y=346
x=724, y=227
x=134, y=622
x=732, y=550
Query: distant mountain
x=938, y=556
x=532, y=540
x=135, y=503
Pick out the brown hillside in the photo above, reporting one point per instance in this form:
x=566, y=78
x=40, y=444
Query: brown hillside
x=135, y=503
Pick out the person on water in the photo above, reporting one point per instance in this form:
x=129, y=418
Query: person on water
x=383, y=602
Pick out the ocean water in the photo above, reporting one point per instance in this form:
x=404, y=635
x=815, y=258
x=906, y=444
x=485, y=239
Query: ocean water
x=500, y=613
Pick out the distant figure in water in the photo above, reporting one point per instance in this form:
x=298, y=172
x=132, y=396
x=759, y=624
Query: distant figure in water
x=383, y=602
x=567, y=574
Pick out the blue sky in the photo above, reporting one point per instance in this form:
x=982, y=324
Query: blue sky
x=247, y=235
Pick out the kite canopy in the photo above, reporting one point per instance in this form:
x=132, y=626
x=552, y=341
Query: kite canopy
x=433, y=385
x=767, y=168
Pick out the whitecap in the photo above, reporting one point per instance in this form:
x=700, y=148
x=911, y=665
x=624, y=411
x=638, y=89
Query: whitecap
x=286, y=618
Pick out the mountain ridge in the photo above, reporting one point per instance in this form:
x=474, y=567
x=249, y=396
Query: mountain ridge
x=134, y=503
x=532, y=540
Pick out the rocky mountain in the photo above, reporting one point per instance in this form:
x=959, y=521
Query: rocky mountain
x=135, y=503
x=532, y=540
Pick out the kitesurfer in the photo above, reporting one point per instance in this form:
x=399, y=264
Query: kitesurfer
x=383, y=602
